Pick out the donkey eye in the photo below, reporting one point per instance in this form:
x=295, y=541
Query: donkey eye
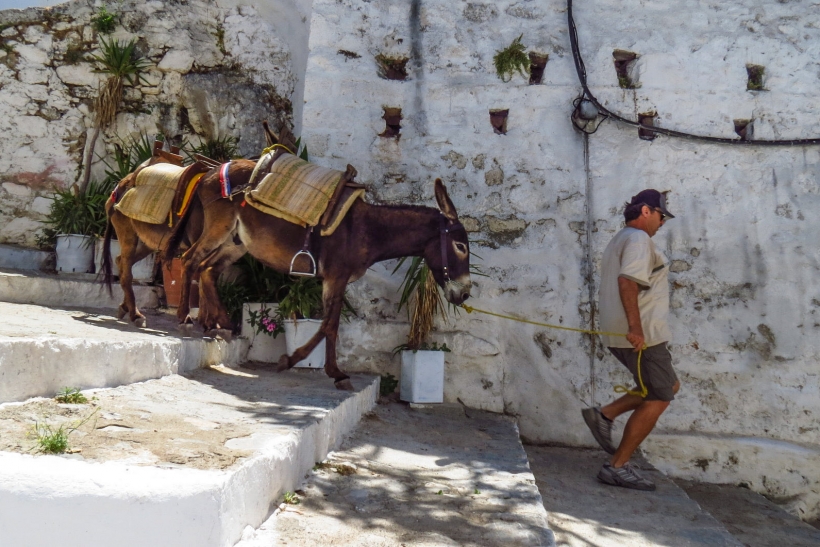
x=461, y=247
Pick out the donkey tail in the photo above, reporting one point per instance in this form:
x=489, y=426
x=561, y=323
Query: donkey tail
x=108, y=277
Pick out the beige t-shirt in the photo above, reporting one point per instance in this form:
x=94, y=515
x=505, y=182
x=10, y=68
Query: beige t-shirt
x=632, y=254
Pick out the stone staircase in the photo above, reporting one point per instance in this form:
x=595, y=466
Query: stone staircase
x=147, y=488
x=177, y=445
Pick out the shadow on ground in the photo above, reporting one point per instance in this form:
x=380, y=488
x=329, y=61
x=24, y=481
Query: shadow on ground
x=421, y=477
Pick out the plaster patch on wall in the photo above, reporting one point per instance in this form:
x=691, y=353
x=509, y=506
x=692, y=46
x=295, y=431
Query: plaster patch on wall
x=480, y=13
x=494, y=176
x=455, y=159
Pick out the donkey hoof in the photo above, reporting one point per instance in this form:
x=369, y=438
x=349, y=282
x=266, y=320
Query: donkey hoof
x=140, y=322
x=186, y=328
x=225, y=334
x=344, y=385
x=283, y=364
x=121, y=312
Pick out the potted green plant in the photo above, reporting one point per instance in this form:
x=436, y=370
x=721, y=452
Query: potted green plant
x=253, y=298
x=422, y=362
x=301, y=311
x=75, y=220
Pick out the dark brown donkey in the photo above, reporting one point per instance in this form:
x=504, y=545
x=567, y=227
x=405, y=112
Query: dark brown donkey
x=368, y=234
x=139, y=239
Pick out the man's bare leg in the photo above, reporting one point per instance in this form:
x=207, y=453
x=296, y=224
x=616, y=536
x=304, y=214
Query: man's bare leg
x=638, y=427
x=619, y=406
x=644, y=417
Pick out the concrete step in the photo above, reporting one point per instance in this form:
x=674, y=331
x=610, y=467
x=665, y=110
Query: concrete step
x=585, y=512
x=181, y=461
x=43, y=350
x=420, y=475
x=23, y=258
x=751, y=518
x=69, y=290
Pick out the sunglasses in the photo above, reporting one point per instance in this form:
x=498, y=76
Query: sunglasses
x=663, y=215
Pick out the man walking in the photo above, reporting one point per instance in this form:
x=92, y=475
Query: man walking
x=634, y=299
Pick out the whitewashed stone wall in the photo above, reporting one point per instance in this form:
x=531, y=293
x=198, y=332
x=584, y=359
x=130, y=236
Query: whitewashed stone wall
x=215, y=71
x=742, y=251
x=540, y=202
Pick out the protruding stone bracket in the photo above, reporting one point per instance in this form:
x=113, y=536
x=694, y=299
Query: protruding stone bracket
x=392, y=120
x=647, y=119
x=538, y=62
x=498, y=119
x=744, y=129
x=392, y=68
x=755, y=77
x=624, y=64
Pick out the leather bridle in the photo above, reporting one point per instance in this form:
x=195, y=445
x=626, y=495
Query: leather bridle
x=445, y=227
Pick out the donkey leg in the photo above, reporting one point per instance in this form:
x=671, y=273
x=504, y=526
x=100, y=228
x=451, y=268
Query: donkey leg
x=131, y=251
x=198, y=257
x=333, y=300
x=209, y=295
x=184, y=308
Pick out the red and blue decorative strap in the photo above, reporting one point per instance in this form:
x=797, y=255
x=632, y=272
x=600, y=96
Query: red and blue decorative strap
x=224, y=180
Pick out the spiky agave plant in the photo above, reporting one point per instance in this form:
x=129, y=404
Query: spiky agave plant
x=120, y=61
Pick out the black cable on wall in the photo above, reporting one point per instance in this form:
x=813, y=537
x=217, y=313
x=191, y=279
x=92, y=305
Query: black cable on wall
x=582, y=76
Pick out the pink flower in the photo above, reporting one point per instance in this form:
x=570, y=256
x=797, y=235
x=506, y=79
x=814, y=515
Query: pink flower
x=271, y=326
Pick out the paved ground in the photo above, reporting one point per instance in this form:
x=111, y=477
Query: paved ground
x=436, y=476
x=584, y=512
x=751, y=518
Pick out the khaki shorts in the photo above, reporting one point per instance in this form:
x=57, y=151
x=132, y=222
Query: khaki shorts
x=656, y=370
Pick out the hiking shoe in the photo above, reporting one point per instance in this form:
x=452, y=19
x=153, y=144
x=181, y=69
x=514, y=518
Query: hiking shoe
x=600, y=427
x=625, y=476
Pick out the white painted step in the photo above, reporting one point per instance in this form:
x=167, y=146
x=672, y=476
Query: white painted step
x=152, y=467
x=75, y=291
x=43, y=350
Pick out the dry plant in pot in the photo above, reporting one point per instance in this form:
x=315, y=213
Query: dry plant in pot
x=422, y=363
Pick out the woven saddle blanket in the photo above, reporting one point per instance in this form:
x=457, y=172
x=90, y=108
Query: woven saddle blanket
x=300, y=192
x=156, y=186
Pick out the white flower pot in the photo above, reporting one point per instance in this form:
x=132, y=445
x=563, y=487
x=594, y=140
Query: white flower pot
x=264, y=348
x=142, y=271
x=299, y=331
x=422, y=376
x=75, y=253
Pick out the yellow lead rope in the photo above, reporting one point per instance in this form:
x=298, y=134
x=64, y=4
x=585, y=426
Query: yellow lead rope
x=274, y=147
x=619, y=388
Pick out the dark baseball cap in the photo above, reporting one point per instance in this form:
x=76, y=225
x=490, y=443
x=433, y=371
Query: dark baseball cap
x=652, y=198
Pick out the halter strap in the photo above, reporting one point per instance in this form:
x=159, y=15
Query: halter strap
x=445, y=229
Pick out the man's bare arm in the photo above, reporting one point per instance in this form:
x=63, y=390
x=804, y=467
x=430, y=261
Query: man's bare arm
x=628, y=290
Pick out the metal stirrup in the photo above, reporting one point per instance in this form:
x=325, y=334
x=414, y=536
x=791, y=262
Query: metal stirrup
x=304, y=251
x=311, y=273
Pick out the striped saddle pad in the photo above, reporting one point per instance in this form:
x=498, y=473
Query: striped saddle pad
x=295, y=190
x=153, y=192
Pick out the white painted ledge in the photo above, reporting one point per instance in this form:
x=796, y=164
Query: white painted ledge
x=114, y=503
x=782, y=471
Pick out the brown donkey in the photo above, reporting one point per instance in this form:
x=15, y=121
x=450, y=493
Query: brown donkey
x=139, y=239
x=368, y=234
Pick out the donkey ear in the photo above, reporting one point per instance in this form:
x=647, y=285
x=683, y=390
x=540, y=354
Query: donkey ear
x=444, y=202
x=270, y=137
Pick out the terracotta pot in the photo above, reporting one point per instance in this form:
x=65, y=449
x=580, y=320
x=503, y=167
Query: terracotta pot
x=171, y=282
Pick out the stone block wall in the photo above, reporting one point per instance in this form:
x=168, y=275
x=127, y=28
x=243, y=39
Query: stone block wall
x=542, y=201
x=214, y=71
